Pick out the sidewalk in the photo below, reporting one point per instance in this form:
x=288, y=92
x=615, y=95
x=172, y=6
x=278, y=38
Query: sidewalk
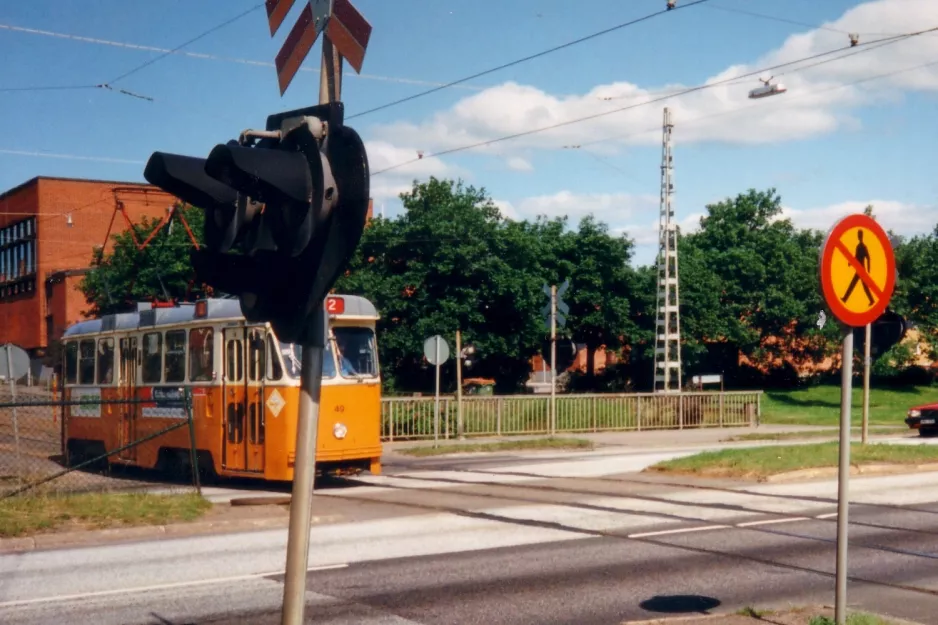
x=647, y=439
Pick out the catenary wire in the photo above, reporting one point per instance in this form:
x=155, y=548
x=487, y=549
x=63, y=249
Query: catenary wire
x=652, y=101
x=199, y=55
x=527, y=58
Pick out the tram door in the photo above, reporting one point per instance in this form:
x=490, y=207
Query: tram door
x=127, y=432
x=233, y=442
x=254, y=395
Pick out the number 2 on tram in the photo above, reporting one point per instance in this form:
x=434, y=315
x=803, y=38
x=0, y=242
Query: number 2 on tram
x=245, y=389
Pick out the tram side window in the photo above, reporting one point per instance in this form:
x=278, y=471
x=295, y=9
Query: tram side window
x=152, y=357
x=86, y=362
x=293, y=354
x=175, y=367
x=71, y=363
x=274, y=368
x=105, y=361
x=256, y=355
x=201, y=354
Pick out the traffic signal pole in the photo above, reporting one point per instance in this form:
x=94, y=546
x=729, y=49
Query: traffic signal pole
x=307, y=426
x=304, y=474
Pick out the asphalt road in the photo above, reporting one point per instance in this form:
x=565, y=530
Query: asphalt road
x=506, y=541
x=595, y=580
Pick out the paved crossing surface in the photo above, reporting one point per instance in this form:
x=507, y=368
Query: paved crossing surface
x=542, y=538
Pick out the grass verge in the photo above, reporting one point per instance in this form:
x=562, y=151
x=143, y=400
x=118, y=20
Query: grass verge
x=820, y=405
x=24, y=515
x=832, y=434
x=760, y=462
x=518, y=445
x=857, y=618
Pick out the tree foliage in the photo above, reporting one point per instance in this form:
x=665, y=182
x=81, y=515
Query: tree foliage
x=161, y=270
x=748, y=286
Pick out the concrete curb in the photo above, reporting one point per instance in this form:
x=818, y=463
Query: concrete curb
x=869, y=469
x=88, y=538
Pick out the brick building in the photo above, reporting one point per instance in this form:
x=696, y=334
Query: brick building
x=49, y=228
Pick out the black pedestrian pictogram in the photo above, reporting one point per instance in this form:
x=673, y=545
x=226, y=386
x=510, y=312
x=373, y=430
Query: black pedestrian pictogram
x=863, y=257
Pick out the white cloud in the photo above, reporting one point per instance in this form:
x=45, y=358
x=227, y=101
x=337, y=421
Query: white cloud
x=516, y=163
x=607, y=207
x=389, y=185
x=819, y=100
x=899, y=217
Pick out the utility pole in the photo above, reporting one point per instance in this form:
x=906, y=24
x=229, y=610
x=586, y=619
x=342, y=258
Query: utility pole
x=459, y=426
x=668, y=323
x=865, y=431
x=553, y=360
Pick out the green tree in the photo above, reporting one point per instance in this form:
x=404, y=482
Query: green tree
x=449, y=262
x=749, y=281
x=161, y=270
x=602, y=285
x=916, y=294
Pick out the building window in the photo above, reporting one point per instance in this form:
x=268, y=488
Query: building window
x=18, y=258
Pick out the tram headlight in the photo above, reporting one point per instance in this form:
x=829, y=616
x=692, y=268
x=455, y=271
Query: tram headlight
x=339, y=430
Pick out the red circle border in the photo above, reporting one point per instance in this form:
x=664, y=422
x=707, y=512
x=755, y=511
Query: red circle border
x=827, y=255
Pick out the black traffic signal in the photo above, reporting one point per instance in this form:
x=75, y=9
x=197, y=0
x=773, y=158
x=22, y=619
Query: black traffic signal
x=285, y=210
x=566, y=353
x=889, y=329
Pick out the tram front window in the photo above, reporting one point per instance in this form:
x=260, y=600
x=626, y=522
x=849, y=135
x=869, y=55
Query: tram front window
x=356, y=350
x=293, y=356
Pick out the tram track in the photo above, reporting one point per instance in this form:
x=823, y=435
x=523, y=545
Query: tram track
x=663, y=500
x=661, y=538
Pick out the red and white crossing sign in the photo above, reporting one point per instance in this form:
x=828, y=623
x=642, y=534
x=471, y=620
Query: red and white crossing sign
x=276, y=11
x=349, y=33
x=344, y=27
x=311, y=22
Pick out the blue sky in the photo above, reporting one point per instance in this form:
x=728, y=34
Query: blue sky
x=828, y=148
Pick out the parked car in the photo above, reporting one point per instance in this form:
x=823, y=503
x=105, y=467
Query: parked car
x=924, y=419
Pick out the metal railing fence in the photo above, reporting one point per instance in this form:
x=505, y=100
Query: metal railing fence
x=414, y=418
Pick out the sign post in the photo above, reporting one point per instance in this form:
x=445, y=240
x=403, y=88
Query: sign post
x=858, y=276
x=436, y=350
x=553, y=316
x=14, y=364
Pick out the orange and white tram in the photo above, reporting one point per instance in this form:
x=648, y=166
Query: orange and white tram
x=245, y=388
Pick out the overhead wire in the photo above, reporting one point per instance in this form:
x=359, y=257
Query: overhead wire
x=662, y=98
x=785, y=20
x=204, y=56
x=109, y=84
x=530, y=57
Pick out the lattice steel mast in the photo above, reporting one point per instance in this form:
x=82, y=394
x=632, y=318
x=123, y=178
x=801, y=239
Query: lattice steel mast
x=668, y=323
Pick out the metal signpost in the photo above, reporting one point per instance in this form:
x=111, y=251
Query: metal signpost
x=14, y=364
x=858, y=276
x=436, y=350
x=554, y=312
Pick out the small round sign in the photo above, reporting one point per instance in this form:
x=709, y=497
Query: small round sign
x=430, y=347
x=858, y=270
x=15, y=357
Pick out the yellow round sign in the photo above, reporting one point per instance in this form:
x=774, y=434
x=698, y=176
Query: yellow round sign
x=858, y=270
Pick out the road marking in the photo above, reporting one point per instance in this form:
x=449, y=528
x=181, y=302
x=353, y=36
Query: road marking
x=142, y=589
x=684, y=530
x=772, y=521
x=829, y=515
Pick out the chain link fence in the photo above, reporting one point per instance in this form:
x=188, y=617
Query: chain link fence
x=53, y=446
x=415, y=418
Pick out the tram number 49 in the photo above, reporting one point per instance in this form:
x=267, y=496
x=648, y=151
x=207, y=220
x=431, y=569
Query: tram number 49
x=340, y=408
